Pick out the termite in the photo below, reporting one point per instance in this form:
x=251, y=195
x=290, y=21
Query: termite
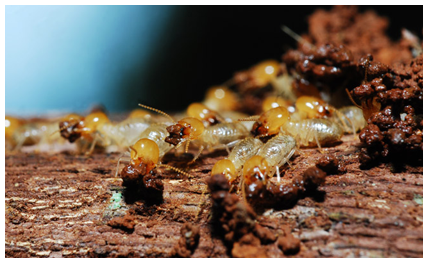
x=259, y=75
x=97, y=128
x=145, y=155
x=19, y=133
x=274, y=102
x=203, y=113
x=269, y=123
x=368, y=105
x=314, y=132
x=251, y=153
x=274, y=154
x=221, y=98
x=231, y=167
x=11, y=125
x=354, y=120
x=308, y=107
x=191, y=129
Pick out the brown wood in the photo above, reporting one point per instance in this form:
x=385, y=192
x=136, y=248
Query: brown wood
x=57, y=205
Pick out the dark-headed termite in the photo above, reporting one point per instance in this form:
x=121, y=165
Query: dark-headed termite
x=97, y=128
x=19, y=133
x=203, y=113
x=270, y=122
x=192, y=129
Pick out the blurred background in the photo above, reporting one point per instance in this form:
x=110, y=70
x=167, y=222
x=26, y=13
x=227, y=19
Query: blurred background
x=70, y=58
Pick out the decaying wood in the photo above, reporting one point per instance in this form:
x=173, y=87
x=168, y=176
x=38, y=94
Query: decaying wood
x=62, y=205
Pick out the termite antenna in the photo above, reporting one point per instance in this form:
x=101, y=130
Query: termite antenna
x=296, y=36
x=186, y=149
x=174, y=169
x=132, y=149
x=251, y=118
x=352, y=99
x=157, y=111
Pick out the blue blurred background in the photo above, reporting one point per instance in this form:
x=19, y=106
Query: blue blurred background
x=69, y=58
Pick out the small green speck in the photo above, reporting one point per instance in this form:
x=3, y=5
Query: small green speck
x=418, y=199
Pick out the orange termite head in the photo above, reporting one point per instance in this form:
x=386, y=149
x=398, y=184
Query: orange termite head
x=271, y=102
x=188, y=128
x=225, y=167
x=313, y=108
x=270, y=122
x=203, y=113
x=221, y=98
x=145, y=151
x=264, y=72
x=11, y=124
x=139, y=113
x=255, y=168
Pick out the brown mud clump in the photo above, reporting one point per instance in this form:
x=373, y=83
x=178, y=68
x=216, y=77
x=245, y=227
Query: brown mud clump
x=141, y=184
x=188, y=241
x=269, y=195
x=126, y=223
x=392, y=102
x=243, y=236
x=331, y=164
x=361, y=33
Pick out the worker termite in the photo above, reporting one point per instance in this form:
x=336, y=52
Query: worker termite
x=220, y=98
x=191, y=129
x=139, y=176
x=270, y=122
x=258, y=76
x=274, y=102
x=251, y=157
x=145, y=153
x=348, y=118
x=11, y=124
x=231, y=167
x=274, y=154
x=38, y=133
x=354, y=120
x=204, y=114
x=313, y=132
x=277, y=151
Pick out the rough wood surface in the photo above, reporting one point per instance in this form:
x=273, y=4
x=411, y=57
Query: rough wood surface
x=60, y=205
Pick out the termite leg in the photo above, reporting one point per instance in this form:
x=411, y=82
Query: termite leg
x=277, y=173
x=118, y=163
x=318, y=143
x=197, y=155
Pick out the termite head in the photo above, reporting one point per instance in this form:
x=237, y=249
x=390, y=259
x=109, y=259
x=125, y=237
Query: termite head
x=73, y=126
x=188, y=128
x=313, y=108
x=264, y=72
x=255, y=169
x=221, y=98
x=274, y=102
x=11, y=124
x=368, y=105
x=145, y=151
x=270, y=122
x=139, y=113
x=203, y=113
x=225, y=167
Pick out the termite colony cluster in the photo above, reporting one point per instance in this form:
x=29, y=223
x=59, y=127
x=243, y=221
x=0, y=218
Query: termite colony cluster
x=264, y=115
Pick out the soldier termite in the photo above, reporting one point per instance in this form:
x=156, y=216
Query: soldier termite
x=191, y=129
